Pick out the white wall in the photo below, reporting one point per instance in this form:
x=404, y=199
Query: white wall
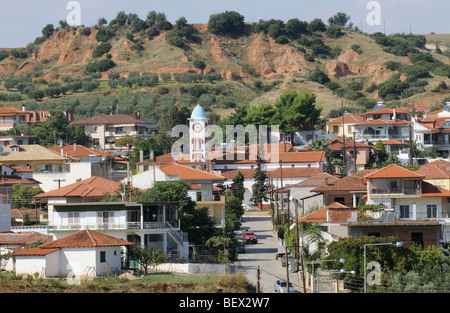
x=78, y=170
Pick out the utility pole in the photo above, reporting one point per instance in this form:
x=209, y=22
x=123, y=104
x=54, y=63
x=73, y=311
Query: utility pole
x=258, y=278
x=282, y=194
x=343, y=139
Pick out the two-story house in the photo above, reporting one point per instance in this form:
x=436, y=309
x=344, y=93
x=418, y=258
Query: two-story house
x=80, y=206
x=343, y=126
x=432, y=133
x=383, y=124
x=105, y=129
x=413, y=210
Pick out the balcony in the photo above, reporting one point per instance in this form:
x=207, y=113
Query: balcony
x=395, y=191
x=113, y=226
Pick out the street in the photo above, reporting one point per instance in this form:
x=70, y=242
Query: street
x=263, y=254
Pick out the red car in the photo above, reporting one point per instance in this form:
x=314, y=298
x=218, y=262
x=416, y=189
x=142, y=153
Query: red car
x=250, y=237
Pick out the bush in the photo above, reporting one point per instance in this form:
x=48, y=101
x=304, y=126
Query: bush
x=100, y=66
x=102, y=48
x=226, y=24
x=282, y=40
x=357, y=48
x=319, y=77
x=334, y=32
x=174, y=38
x=316, y=25
x=199, y=64
x=104, y=34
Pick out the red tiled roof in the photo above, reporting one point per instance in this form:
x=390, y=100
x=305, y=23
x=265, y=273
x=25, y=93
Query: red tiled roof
x=21, y=238
x=347, y=119
x=284, y=157
x=199, y=187
x=111, y=119
x=383, y=122
x=188, y=173
x=319, y=216
x=316, y=180
x=388, y=111
x=393, y=142
x=429, y=190
x=10, y=112
x=35, y=252
x=85, y=238
x=91, y=187
x=338, y=144
x=434, y=172
x=393, y=171
x=347, y=183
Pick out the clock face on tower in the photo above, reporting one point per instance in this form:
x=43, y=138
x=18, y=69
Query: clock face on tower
x=197, y=127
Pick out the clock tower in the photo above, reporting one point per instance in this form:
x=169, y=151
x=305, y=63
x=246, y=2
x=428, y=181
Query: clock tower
x=197, y=135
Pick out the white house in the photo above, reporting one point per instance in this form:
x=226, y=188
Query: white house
x=83, y=254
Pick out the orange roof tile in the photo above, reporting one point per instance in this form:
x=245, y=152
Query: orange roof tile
x=388, y=111
x=429, y=190
x=188, y=173
x=319, y=216
x=85, y=238
x=383, y=122
x=393, y=171
x=91, y=187
x=35, y=252
x=347, y=183
x=316, y=180
x=434, y=172
x=346, y=119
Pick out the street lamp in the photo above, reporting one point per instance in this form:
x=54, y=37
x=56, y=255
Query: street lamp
x=341, y=271
x=322, y=261
x=396, y=244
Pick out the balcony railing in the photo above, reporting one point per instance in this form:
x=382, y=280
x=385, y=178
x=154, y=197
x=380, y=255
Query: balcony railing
x=396, y=191
x=114, y=226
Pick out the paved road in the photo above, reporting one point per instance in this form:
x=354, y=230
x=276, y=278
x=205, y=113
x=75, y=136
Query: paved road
x=263, y=254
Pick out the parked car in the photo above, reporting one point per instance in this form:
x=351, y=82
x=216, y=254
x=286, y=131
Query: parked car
x=280, y=286
x=241, y=247
x=290, y=260
x=250, y=237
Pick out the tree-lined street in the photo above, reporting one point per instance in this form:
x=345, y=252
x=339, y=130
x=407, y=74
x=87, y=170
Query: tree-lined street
x=262, y=254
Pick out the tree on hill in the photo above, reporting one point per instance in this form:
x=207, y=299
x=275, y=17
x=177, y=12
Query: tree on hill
x=228, y=23
x=295, y=111
x=339, y=19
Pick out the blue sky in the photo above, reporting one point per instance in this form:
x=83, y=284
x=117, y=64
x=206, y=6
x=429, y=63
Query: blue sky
x=21, y=21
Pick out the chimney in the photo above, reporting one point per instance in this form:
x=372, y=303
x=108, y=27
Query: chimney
x=394, y=115
x=326, y=181
x=74, y=145
x=141, y=155
x=24, y=107
x=151, y=154
x=138, y=115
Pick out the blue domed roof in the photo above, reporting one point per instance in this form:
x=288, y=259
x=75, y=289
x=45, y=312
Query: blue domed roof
x=198, y=112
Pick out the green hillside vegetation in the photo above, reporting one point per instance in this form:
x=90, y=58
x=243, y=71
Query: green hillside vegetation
x=148, y=65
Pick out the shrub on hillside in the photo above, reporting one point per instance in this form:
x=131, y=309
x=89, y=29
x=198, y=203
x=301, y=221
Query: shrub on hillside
x=226, y=24
x=319, y=77
x=101, y=49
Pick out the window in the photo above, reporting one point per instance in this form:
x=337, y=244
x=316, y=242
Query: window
x=74, y=218
x=105, y=217
x=431, y=211
x=374, y=234
x=404, y=211
x=340, y=200
x=417, y=238
x=102, y=256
